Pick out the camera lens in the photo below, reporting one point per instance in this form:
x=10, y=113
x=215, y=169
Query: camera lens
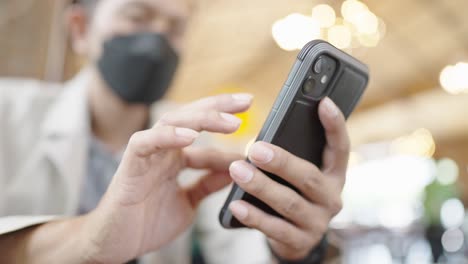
x=309, y=86
x=319, y=65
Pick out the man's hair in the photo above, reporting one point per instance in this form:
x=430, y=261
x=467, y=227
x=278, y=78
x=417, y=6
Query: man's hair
x=88, y=4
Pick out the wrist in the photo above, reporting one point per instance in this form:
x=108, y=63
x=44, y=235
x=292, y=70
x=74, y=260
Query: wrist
x=92, y=240
x=86, y=242
x=60, y=241
x=102, y=240
x=314, y=256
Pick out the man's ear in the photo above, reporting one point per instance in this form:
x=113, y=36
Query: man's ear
x=77, y=21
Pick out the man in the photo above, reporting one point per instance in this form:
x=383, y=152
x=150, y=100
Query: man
x=59, y=154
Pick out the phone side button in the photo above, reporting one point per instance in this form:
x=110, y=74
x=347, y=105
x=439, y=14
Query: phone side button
x=293, y=72
x=280, y=97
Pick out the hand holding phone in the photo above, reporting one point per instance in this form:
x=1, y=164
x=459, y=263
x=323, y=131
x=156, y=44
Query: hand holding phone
x=290, y=187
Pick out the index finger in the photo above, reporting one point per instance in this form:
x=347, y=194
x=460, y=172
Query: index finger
x=336, y=153
x=228, y=103
x=209, y=158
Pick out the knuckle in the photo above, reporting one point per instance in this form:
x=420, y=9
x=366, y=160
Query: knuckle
x=253, y=221
x=321, y=228
x=257, y=188
x=291, y=206
x=283, y=162
x=135, y=143
x=134, y=138
x=284, y=235
x=335, y=206
x=214, y=116
x=299, y=244
x=200, y=121
x=213, y=102
x=343, y=148
x=166, y=118
x=311, y=182
x=207, y=118
x=312, y=240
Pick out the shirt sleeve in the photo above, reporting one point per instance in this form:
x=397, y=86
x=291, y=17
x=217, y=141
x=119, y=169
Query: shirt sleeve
x=11, y=224
x=13, y=92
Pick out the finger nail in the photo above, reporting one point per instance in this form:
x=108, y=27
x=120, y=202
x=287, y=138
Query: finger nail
x=241, y=172
x=243, y=97
x=231, y=119
x=260, y=153
x=186, y=133
x=330, y=107
x=239, y=210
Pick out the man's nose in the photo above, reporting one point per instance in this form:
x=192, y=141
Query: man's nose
x=161, y=25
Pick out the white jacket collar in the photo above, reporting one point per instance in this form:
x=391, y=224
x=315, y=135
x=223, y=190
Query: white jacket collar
x=65, y=135
x=69, y=114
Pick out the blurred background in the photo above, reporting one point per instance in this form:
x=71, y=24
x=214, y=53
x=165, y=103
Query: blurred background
x=407, y=183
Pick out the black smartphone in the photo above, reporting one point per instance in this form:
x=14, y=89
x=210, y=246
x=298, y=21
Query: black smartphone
x=293, y=124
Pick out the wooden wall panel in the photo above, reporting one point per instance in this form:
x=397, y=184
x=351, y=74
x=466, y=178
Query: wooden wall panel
x=24, y=37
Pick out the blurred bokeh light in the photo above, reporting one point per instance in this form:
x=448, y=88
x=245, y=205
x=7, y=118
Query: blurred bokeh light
x=408, y=170
x=454, y=78
x=358, y=23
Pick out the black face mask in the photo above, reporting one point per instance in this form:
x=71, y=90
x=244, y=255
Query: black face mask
x=139, y=68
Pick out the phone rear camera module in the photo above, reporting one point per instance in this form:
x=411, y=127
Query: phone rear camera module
x=319, y=65
x=320, y=76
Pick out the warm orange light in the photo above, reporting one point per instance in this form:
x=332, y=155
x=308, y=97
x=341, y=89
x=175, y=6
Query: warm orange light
x=419, y=143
